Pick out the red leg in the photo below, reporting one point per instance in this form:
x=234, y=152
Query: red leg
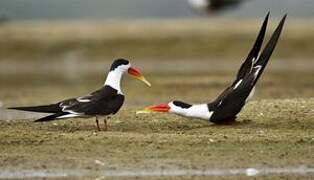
x=106, y=126
x=97, y=123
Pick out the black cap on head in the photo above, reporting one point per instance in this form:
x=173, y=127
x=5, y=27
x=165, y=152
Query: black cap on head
x=117, y=63
x=182, y=104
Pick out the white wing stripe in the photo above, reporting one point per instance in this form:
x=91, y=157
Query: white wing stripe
x=83, y=99
x=238, y=83
x=68, y=116
x=259, y=67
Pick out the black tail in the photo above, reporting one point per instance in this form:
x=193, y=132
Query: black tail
x=248, y=63
x=52, y=108
x=51, y=117
x=268, y=50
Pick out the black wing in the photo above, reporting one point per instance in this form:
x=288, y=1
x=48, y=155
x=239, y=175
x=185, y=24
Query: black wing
x=57, y=107
x=247, y=65
x=263, y=59
x=51, y=117
x=233, y=99
x=52, y=108
x=102, y=102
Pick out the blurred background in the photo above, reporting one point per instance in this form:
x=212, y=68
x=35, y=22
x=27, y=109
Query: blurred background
x=188, y=49
x=147, y=9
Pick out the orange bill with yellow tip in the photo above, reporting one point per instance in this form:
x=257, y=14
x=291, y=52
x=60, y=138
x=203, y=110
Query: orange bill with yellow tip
x=159, y=108
x=138, y=75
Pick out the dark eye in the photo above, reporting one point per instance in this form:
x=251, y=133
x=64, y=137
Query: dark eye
x=181, y=104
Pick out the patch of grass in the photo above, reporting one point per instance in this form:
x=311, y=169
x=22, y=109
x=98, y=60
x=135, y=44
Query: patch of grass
x=269, y=133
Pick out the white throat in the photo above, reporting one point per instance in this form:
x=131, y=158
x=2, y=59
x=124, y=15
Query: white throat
x=195, y=111
x=199, y=111
x=114, y=79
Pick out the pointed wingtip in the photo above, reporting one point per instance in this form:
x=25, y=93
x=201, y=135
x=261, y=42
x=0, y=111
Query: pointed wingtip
x=268, y=14
x=267, y=17
x=268, y=50
x=282, y=22
x=264, y=25
x=14, y=108
x=284, y=17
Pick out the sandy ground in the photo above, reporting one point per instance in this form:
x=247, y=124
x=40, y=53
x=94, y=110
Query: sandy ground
x=269, y=134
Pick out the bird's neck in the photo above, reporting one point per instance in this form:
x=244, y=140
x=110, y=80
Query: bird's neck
x=114, y=80
x=196, y=111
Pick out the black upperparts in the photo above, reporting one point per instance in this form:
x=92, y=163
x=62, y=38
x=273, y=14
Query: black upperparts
x=117, y=63
x=269, y=48
x=182, y=104
x=52, y=108
x=248, y=63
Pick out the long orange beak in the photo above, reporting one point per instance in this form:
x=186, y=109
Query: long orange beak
x=138, y=75
x=159, y=108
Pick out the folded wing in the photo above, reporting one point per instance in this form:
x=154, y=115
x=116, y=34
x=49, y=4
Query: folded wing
x=103, y=102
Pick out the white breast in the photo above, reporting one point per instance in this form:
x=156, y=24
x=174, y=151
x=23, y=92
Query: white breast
x=237, y=84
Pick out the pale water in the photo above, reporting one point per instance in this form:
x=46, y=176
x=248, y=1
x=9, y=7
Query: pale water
x=285, y=171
